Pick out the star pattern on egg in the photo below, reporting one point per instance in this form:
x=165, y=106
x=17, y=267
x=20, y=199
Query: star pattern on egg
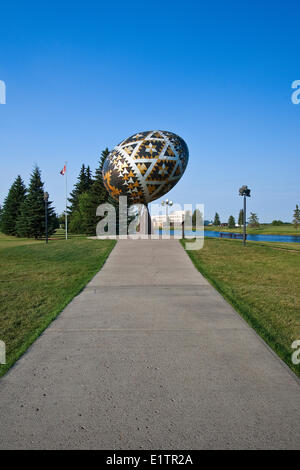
x=145, y=166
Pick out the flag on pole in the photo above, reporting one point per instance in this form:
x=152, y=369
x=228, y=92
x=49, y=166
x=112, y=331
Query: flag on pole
x=62, y=172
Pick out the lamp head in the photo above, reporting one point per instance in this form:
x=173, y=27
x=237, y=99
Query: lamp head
x=244, y=191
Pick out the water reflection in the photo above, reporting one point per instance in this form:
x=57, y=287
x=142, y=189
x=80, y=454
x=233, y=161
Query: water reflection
x=252, y=237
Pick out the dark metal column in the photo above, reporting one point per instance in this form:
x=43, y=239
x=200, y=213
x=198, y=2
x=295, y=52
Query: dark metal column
x=244, y=234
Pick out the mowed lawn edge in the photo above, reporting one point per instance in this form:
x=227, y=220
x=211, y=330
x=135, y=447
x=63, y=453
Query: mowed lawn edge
x=276, y=326
x=34, y=285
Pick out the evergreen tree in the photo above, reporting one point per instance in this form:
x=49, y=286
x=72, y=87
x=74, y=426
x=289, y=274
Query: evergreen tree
x=31, y=221
x=197, y=218
x=96, y=195
x=88, y=178
x=253, y=220
x=87, y=195
x=78, y=220
x=11, y=208
x=277, y=222
x=55, y=221
x=217, y=220
x=80, y=187
x=231, y=222
x=241, y=217
x=296, y=219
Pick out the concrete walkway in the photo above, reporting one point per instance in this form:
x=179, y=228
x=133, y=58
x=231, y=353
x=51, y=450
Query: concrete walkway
x=149, y=356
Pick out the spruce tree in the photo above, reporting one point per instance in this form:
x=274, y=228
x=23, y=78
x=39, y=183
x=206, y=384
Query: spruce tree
x=79, y=188
x=31, y=221
x=197, y=218
x=96, y=195
x=296, y=219
x=88, y=178
x=253, y=220
x=11, y=208
x=231, y=222
x=217, y=220
x=241, y=217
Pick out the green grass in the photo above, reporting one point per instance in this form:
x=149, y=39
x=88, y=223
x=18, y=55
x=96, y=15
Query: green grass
x=262, y=283
x=37, y=281
x=60, y=234
x=277, y=245
x=263, y=229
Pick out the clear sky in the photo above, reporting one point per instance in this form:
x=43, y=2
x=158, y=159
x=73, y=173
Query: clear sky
x=81, y=76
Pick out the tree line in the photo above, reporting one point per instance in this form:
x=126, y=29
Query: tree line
x=23, y=211
x=253, y=220
x=231, y=220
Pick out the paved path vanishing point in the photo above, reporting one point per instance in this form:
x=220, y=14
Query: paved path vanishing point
x=149, y=356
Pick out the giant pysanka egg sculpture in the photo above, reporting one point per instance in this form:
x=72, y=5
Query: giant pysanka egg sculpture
x=145, y=166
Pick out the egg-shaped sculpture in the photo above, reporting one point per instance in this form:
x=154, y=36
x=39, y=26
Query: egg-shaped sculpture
x=145, y=166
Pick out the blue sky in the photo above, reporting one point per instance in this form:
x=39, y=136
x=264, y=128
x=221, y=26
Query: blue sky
x=81, y=76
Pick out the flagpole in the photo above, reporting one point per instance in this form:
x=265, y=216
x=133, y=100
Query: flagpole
x=66, y=215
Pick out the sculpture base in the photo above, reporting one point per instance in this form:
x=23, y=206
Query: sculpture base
x=145, y=221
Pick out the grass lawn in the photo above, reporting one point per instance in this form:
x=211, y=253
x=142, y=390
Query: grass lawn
x=262, y=283
x=60, y=234
x=278, y=245
x=263, y=229
x=37, y=281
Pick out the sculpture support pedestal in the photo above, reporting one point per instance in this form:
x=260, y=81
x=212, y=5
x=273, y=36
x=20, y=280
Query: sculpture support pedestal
x=145, y=221
x=149, y=221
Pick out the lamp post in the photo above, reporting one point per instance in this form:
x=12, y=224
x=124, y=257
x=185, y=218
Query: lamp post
x=245, y=192
x=167, y=203
x=46, y=197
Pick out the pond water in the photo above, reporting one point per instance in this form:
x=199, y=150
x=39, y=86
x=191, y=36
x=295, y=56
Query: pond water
x=261, y=238
x=258, y=238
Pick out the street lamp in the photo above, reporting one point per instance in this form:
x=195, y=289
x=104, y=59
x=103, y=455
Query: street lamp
x=46, y=197
x=167, y=203
x=245, y=192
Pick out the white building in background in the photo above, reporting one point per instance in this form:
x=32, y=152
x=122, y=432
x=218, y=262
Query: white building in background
x=158, y=220
x=175, y=217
